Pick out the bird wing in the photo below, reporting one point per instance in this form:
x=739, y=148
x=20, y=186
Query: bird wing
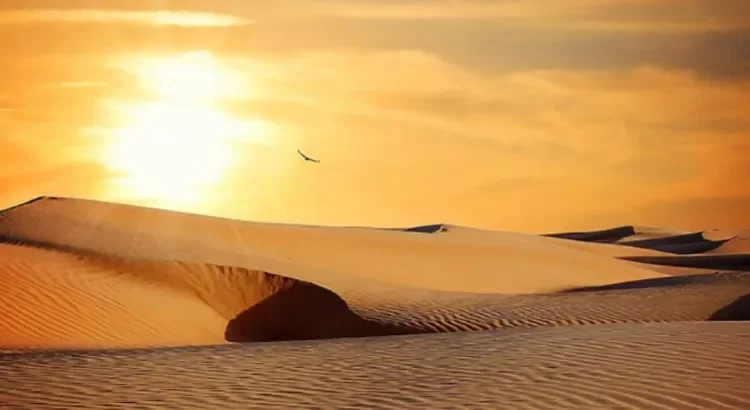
x=306, y=157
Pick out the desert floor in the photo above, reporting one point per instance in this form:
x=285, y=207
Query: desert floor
x=113, y=306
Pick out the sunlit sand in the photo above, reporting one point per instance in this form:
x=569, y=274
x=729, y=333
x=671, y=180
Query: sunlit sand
x=242, y=314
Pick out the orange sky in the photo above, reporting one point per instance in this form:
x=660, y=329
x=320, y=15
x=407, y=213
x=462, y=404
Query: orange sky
x=535, y=115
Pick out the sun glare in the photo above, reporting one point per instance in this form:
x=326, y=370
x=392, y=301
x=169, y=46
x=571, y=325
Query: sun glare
x=193, y=76
x=175, y=146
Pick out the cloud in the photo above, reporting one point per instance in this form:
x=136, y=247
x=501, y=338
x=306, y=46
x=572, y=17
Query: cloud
x=500, y=47
x=434, y=9
x=151, y=18
x=451, y=143
x=587, y=15
x=711, y=38
x=422, y=85
x=585, y=140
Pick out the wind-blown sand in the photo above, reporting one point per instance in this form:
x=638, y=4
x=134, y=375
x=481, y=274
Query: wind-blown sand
x=581, y=320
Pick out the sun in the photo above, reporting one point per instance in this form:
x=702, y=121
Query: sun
x=193, y=76
x=174, y=147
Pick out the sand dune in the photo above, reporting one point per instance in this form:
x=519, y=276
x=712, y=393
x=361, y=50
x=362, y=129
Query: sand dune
x=509, y=263
x=579, y=320
x=684, y=365
x=68, y=300
x=680, y=254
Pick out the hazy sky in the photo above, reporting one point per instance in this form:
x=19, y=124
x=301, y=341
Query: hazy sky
x=531, y=115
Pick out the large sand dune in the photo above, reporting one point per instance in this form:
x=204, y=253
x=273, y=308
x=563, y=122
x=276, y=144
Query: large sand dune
x=66, y=300
x=79, y=274
x=503, y=263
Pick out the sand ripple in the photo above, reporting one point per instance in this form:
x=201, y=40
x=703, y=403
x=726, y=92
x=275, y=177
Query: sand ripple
x=654, y=366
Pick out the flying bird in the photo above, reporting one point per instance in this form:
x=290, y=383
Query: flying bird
x=307, y=158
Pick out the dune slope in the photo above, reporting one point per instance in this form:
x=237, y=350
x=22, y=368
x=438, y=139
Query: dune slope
x=64, y=299
x=509, y=263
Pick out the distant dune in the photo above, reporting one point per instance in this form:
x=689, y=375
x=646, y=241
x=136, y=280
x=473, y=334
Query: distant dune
x=604, y=236
x=634, y=312
x=739, y=244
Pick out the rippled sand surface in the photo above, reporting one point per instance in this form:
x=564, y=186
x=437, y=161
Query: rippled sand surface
x=114, y=306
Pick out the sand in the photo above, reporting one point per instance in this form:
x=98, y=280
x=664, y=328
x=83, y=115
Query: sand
x=115, y=306
x=647, y=366
x=419, y=260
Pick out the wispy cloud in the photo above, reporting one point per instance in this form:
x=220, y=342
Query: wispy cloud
x=440, y=9
x=587, y=15
x=582, y=133
x=153, y=18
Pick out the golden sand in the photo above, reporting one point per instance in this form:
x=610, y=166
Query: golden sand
x=348, y=316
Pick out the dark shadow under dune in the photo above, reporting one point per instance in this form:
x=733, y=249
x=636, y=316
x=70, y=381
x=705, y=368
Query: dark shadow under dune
x=304, y=311
x=666, y=282
x=667, y=240
x=435, y=228
x=738, y=310
x=679, y=244
x=427, y=229
x=738, y=262
x=703, y=246
x=605, y=236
